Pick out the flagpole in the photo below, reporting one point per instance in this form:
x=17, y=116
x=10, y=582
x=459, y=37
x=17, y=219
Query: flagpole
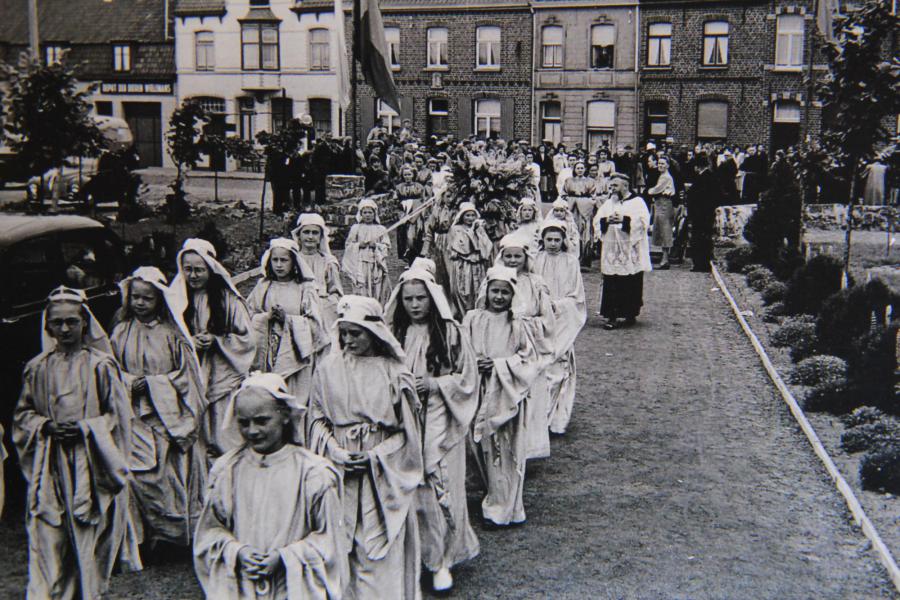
x=353, y=86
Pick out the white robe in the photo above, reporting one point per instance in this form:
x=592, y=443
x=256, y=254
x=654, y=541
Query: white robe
x=288, y=502
x=562, y=273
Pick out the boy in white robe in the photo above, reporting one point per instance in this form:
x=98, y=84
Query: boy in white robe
x=271, y=527
x=562, y=274
x=443, y=363
x=71, y=429
x=508, y=366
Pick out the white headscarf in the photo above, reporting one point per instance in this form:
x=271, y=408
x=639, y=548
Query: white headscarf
x=501, y=273
x=367, y=203
x=366, y=313
x=560, y=203
x=275, y=386
x=465, y=207
x=516, y=239
x=424, y=264
x=314, y=219
x=94, y=335
x=174, y=302
x=207, y=252
x=538, y=215
x=291, y=246
x=554, y=223
x=438, y=298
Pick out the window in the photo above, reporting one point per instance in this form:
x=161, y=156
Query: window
x=785, y=124
x=247, y=110
x=103, y=108
x=211, y=105
x=601, y=124
x=487, y=118
x=204, y=51
x=659, y=45
x=320, y=111
x=789, y=41
x=53, y=55
x=282, y=112
x=437, y=47
x=387, y=115
x=712, y=121
x=488, y=42
x=603, y=41
x=715, y=43
x=551, y=122
x=552, y=46
x=259, y=46
x=438, y=112
x=259, y=2
x=392, y=37
x=121, y=57
x=657, y=121
x=319, y=50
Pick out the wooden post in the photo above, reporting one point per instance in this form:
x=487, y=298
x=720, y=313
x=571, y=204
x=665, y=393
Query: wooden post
x=34, y=43
x=262, y=205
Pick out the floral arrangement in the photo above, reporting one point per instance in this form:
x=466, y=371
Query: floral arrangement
x=495, y=184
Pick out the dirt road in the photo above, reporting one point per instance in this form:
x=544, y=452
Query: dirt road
x=682, y=476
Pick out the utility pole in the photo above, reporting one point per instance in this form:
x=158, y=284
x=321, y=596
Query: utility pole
x=33, y=38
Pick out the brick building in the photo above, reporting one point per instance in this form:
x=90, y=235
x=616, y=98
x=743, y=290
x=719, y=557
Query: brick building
x=585, y=76
x=255, y=64
x=125, y=47
x=719, y=70
x=461, y=68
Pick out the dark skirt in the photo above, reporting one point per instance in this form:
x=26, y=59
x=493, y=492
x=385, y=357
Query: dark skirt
x=622, y=296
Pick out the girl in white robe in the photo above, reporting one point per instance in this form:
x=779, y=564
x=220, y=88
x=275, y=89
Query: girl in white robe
x=562, y=274
x=312, y=236
x=560, y=211
x=446, y=375
x=71, y=428
x=290, y=334
x=271, y=527
x=468, y=256
x=533, y=300
x=508, y=366
x=217, y=317
x=365, y=253
x=364, y=417
x=162, y=373
x=528, y=220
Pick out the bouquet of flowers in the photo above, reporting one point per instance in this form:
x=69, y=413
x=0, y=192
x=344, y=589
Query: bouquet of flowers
x=495, y=184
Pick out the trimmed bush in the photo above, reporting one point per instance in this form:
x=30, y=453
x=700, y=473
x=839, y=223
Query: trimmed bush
x=846, y=317
x=738, y=258
x=834, y=398
x=759, y=278
x=750, y=267
x=812, y=283
x=880, y=469
x=872, y=368
x=868, y=436
x=821, y=369
x=774, y=292
x=774, y=312
x=861, y=416
x=798, y=334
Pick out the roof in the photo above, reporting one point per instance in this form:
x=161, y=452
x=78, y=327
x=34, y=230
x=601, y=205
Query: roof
x=199, y=7
x=85, y=21
x=15, y=228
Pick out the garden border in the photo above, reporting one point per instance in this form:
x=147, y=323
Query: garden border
x=856, y=509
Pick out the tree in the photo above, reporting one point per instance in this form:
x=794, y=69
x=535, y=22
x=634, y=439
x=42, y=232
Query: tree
x=47, y=119
x=860, y=91
x=232, y=146
x=182, y=141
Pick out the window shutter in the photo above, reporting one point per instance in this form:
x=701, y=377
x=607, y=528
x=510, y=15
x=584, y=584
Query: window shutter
x=464, y=112
x=507, y=118
x=366, y=115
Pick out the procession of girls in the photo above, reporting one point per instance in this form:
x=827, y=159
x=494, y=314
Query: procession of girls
x=302, y=441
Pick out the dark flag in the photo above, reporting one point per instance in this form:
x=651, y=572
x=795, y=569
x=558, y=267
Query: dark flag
x=373, y=55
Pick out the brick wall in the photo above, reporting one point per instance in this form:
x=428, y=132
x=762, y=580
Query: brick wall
x=460, y=83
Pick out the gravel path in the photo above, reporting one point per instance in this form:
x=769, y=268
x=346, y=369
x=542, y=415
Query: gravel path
x=682, y=476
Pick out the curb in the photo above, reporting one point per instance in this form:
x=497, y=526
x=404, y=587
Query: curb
x=856, y=509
